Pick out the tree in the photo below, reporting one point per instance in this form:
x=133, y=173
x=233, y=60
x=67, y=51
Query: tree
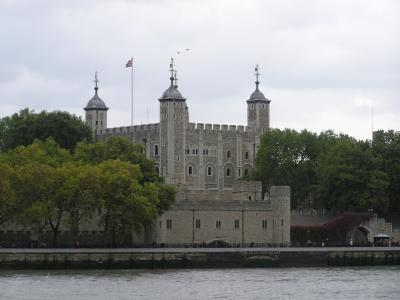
x=386, y=146
x=350, y=178
x=50, y=189
x=24, y=127
x=46, y=152
x=287, y=157
x=127, y=205
x=117, y=148
x=8, y=205
x=120, y=148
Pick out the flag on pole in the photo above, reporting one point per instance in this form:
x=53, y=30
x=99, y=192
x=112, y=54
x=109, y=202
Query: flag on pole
x=129, y=63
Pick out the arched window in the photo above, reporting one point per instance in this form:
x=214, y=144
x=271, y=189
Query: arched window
x=158, y=170
x=246, y=172
x=228, y=154
x=209, y=171
x=228, y=172
x=190, y=170
x=155, y=150
x=246, y=155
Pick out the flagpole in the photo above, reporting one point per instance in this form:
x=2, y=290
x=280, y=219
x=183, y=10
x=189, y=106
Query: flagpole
x=132, y=92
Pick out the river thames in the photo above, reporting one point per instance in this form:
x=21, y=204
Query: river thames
x=273, y=283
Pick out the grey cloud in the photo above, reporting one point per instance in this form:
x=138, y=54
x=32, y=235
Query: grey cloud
x=310, y=52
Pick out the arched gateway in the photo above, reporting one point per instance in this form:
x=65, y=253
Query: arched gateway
x=361, y=235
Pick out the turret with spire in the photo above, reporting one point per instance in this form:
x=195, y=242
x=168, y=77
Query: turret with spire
x=173, y=121
x=96, y=110
x=258, y=107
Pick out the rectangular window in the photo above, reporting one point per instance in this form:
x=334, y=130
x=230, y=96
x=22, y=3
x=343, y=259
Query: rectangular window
x=282, y=222
x=237, y=224
x=218, y=224
x=264, y=224
x=198, y=223
x=169, y=224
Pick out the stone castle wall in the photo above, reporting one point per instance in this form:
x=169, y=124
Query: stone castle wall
x=239, y=222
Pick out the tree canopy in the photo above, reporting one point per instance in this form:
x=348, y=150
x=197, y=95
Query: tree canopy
x=24, y=127
x=43, y=186
x=333, y=171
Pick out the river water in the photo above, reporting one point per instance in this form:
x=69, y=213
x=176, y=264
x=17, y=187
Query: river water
x=274, y=283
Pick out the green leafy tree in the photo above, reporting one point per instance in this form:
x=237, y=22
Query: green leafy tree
x=8, y=207
x=46, y=152
x=128, y=206
x=386, y=146
x=287, y=157
x=350, y=178
x=50, y=189
x=117, y=148
x=24, y=127
x=121, y=149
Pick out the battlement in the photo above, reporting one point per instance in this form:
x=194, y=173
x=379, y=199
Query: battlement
x=220, y=127
x=128, y=129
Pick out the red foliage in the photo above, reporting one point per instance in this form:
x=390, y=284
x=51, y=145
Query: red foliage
x=334, y=232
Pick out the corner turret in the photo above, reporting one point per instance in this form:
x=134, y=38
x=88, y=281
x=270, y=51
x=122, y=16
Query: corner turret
x=258, y=108
x=96, y=111
x=173, y=122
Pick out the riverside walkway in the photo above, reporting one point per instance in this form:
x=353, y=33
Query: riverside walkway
x=159, y=258
x=198, y=250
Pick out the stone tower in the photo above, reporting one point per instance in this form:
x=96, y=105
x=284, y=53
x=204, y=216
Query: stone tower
x=258, y=108
x=173, y=121
x=280, y=204
x=96, y=111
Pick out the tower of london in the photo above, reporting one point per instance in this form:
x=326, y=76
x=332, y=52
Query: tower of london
x=206, y=162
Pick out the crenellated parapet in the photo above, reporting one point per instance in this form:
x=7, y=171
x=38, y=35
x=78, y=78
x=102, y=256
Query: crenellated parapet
x=129, y=129
x=222, y=128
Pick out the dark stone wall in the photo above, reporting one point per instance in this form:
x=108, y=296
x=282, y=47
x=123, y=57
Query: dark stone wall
x=66, y=239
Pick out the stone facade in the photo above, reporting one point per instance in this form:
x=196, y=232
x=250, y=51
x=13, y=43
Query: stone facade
x=206, y=162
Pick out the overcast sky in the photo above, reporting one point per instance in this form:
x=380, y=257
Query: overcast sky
x=324, y=64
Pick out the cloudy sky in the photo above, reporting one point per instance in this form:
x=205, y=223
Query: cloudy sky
x=324, y=64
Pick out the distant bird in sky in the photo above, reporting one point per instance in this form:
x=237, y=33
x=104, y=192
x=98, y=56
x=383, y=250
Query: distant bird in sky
x=179, y=52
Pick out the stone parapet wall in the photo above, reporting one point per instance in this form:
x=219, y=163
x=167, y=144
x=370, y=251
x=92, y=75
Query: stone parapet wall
x=222, y=127
x=129, y=129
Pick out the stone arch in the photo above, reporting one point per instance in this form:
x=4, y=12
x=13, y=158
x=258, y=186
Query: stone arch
x=218, y=243
x=360, y=235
